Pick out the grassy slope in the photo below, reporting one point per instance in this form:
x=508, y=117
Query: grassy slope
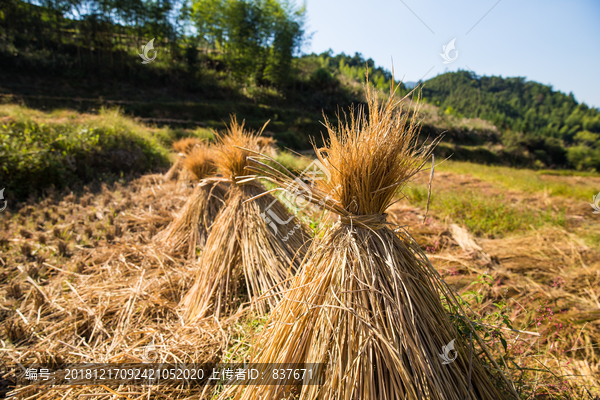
x=63, y=148
x=207, y=96
x=494, y=201
x=528, y=180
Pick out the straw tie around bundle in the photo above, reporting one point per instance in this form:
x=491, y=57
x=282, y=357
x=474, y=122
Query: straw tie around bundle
x=371, y=221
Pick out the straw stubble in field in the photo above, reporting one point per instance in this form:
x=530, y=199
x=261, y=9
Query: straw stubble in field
x=132, y=291
x=102, y=301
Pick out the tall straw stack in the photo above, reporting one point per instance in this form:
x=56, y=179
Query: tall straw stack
x=190, y=228
x=366, y=302
x=248, y=254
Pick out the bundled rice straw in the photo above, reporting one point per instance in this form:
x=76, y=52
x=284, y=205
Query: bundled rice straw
x=200, y=162
x=173, y=173
x=253, y=247
x=186, y=145
x=366, y=301
x=268, y=146
x=190, y=228
x=183, y=147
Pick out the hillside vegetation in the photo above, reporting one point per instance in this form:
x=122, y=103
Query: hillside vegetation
x=215, y=58
x=64, y=148
x=548, y=127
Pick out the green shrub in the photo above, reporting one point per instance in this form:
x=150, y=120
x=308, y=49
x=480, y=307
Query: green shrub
x=37, y=150
x=584, y=158
x=323, y=79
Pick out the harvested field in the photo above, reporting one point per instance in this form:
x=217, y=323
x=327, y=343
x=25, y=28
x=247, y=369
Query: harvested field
x=109, y=295
x=82, y=281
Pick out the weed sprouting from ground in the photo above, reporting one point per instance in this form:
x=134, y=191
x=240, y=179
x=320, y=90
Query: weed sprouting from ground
x=535, y=339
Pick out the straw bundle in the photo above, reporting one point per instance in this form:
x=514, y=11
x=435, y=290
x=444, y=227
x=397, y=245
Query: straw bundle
x=186, y=145
x=191, y=226
x=200, y=162
x=268, y=146
x=366, y=301
x=183, y=147
x=254, y=246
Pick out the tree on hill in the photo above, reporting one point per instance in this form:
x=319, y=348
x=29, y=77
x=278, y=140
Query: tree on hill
x=258, y=38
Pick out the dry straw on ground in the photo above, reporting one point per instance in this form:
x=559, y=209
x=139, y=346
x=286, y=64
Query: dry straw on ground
x=106, y=302
x=367, y=301
x=191, y=226
x=245, y=256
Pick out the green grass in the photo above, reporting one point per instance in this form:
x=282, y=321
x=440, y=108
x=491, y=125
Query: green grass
x=525, y=180
x=483, y=215
x=568, y=172
x=490, y=216
x=292, y=162
x=63, y=148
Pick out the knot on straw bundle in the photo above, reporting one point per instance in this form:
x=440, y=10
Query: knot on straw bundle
x=369, y=221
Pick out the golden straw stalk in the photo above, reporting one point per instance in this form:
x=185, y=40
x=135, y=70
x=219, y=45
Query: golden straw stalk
x=190, y=228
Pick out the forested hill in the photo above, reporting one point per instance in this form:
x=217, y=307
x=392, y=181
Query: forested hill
x=513, y=103
x=547, y=122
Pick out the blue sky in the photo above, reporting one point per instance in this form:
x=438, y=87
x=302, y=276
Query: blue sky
x=551, y=42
